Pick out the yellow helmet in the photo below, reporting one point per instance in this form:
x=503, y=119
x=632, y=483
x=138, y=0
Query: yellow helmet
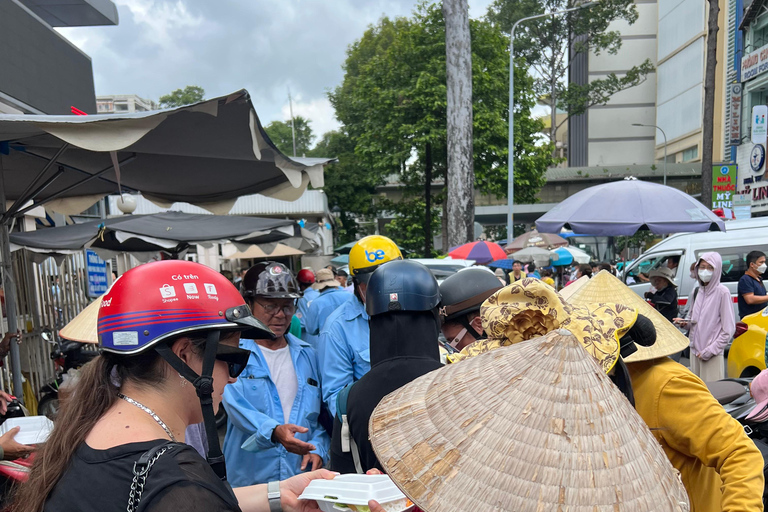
x=370, y=252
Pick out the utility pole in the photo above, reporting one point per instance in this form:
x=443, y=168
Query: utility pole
x=461, y=172
x=709, y=104
x=293, y=129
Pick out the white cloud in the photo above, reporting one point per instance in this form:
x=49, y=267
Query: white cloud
x=226, y=45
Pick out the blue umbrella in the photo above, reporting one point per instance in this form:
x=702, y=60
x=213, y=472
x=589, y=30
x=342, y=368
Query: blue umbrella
x=627, y=206
x=505, y=264
x=565, y=257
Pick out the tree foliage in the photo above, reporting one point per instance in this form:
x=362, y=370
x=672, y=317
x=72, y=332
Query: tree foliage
x=392, y=104
x=544, y=46
x=280, y=133
x=180, y=97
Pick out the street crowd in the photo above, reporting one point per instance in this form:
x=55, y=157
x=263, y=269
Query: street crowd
x=300, y=362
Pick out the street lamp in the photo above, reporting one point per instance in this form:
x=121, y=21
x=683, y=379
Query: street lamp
x=511, y=173
x=665, y=145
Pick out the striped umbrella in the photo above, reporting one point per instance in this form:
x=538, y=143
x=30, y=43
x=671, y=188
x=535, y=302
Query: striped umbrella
x=482, y=252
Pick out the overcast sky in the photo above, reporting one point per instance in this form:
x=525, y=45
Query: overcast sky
x=264, y=46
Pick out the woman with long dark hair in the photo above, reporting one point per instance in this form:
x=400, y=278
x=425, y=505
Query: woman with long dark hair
x=168, y=333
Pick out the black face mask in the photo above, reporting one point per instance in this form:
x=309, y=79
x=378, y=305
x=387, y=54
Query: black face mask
x=235, y=357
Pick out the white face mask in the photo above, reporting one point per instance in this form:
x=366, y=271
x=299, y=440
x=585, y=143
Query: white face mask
x=705, y=275
x=761, y=268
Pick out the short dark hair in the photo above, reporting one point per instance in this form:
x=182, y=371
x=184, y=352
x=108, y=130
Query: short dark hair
x=585, y=270
x=604, y=266
x=517, y=263
x=753, y=256
x=341, y=273
x=676, y=259
x=531, y=266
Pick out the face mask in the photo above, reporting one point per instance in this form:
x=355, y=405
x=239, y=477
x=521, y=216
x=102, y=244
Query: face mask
x=761, y=268
x=705, y=275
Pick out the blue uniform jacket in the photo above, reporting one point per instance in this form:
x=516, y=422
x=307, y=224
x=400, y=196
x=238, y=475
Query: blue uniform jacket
x=322, y=307
x=254, y=410
x=302, y=307
x=344, y=341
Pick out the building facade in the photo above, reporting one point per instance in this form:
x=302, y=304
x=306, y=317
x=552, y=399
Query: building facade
x=124, y=104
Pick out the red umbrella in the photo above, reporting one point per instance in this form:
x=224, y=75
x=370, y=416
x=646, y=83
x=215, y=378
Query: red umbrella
x=482, y=252
x=536, y=239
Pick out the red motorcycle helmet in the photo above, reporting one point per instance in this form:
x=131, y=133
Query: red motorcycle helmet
x=157, y=302
x=165, y=299
x=305, y=276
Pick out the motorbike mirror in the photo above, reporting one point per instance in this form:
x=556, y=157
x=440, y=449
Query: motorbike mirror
x=47, y=335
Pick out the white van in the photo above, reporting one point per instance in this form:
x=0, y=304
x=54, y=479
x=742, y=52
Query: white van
x=740, y=238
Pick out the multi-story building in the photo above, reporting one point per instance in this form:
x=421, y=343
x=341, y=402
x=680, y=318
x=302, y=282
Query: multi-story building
x=41, y=72
x=123, y=104
x=672, y=34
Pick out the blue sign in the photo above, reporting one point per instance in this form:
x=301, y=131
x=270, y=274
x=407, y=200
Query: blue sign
x=97, y=274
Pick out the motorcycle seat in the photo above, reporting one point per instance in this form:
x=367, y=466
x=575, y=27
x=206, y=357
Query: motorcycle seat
x=726, y=391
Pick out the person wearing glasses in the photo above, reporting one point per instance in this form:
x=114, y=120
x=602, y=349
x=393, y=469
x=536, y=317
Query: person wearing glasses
x=273, y=431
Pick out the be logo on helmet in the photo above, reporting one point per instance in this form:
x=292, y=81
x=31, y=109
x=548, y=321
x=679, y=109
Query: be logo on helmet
x=374, y=256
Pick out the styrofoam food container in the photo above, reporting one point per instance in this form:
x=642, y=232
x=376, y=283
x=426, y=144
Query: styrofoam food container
x=336, y=495
x=34, y=429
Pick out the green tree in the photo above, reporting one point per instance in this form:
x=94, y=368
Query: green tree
x=549, y=44
x=280, y=133
x=180, y=97
x=348, y=184
x=392, y=104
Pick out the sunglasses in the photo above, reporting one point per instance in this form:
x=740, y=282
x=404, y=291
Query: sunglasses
x=235, y=357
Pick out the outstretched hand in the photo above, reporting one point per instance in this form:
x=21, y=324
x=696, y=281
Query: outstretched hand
x=291, y=489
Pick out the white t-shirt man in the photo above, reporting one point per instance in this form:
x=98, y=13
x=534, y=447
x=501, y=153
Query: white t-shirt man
x=284, y=376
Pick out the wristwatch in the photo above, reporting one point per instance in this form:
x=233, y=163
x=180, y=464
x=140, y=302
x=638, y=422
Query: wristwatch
x=273, y=495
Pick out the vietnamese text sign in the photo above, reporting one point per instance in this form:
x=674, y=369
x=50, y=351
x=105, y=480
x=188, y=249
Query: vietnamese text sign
x=723, y=185
x=97, y=274
x=734, y=129
x=754, y=63
x=742, y=206
x=759, y=126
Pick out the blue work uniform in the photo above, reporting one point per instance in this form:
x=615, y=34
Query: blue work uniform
x=302, y=307
x=254, y=410
x=319, y=311
x=344, y=340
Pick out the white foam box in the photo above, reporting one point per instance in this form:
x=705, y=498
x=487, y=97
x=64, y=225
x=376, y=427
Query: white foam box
x=338, y=494
x=34, y=429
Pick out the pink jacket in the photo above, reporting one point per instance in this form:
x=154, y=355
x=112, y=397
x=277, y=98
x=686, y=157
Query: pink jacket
x=711, y=318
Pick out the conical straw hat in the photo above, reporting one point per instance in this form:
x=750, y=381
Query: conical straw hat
x=83, y=327
x=605, y=287
x=536, y=426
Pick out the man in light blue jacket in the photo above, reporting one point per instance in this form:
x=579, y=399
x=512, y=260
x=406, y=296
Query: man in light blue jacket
x=344, y=338
x=272, y=427
x=332, y=296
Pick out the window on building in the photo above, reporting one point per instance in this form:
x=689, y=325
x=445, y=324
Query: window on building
x=691, y=154
x=121, y=107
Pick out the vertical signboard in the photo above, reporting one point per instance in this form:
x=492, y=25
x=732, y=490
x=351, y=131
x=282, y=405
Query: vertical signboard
x=97, y=274
x=759, y=126
x=734, y=130
x=723, y=185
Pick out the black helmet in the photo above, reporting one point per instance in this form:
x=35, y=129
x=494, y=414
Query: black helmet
x=401, y=285
x=271, y=280
x=465, y=291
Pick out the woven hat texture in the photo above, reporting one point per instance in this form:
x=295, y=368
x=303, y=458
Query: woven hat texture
x=536, y=426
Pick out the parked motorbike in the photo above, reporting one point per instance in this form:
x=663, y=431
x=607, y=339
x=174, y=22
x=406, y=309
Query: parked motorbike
x=66, y=355
x=735, y=397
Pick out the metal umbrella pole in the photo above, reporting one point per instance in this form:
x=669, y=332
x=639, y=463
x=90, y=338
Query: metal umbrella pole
x=9, y=284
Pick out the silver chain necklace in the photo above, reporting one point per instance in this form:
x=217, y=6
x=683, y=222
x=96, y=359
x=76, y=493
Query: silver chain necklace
x=151, y=413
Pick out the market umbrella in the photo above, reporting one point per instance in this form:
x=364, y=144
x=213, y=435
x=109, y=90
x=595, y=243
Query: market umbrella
x=540, y=257
x=482, y=252
x=256, y=252
x=535, y=239
x=173, y=232
x=207, y=154
x=621, y=208
x=505, y=264
x=568, y=255
x=340, y=261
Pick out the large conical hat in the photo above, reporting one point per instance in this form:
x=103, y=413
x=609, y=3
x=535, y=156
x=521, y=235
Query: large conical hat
x=84, y=327
x=605, y=287
x=536, y=426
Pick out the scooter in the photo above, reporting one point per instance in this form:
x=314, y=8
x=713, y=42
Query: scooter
x=66, y=355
